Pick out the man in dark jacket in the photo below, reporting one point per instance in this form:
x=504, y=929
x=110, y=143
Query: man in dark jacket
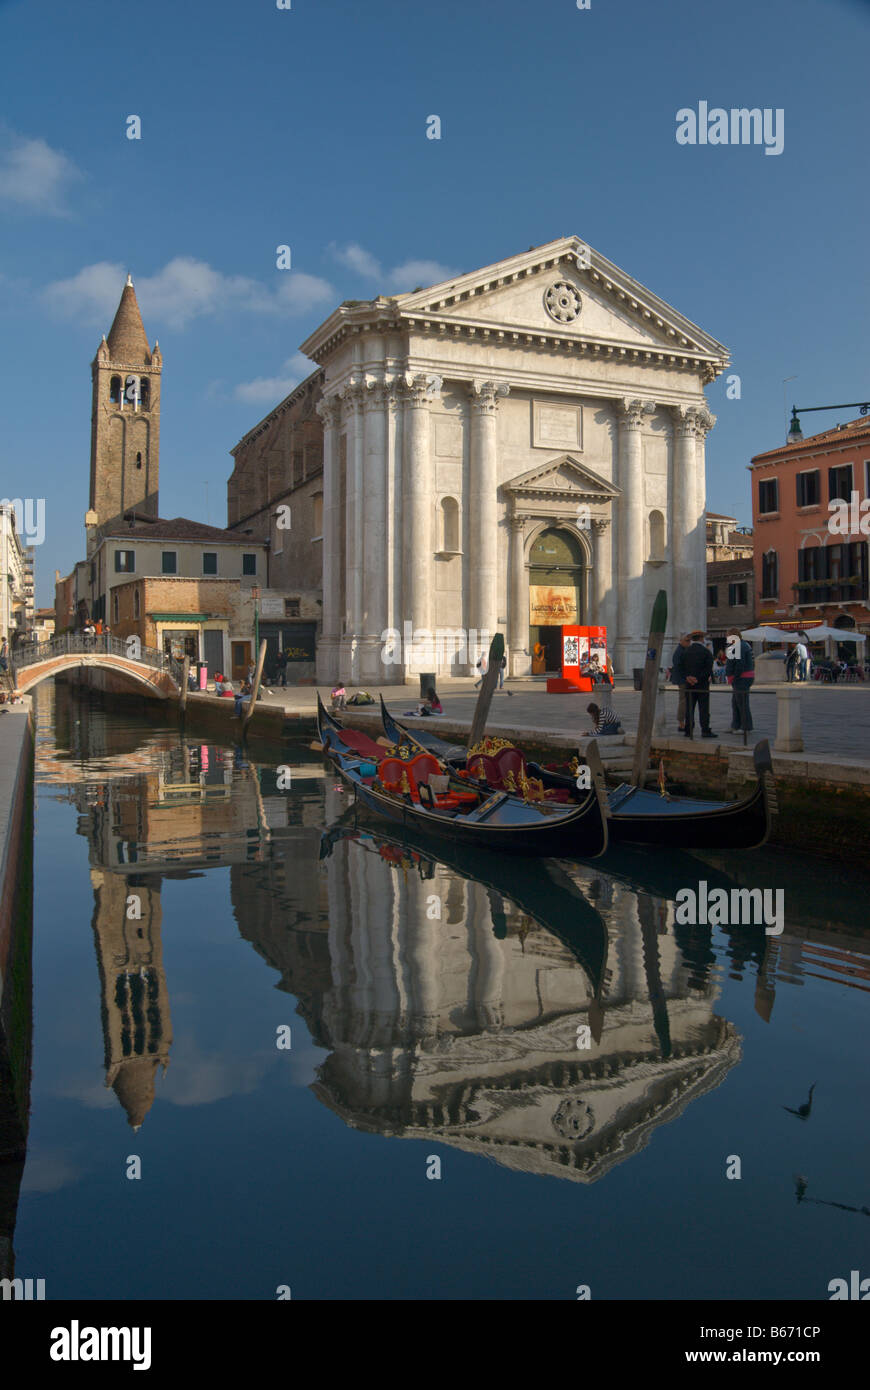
x=698, y=668
x=739, y=673
x=678, y=678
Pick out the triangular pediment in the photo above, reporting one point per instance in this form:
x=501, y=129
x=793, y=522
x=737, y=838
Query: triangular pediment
x=564, y=476
x=564, y=288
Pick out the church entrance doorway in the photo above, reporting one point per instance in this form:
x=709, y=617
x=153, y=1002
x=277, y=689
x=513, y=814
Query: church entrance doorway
x=556, y=570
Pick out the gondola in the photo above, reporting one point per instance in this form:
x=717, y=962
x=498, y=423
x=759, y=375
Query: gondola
x=461, y=811
x=640, y=816
x=540, y=888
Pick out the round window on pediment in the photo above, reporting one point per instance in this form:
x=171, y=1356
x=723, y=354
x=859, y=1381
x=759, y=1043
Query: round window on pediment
x=562, y=302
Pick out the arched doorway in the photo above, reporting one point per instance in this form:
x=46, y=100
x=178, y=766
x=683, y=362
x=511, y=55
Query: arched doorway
x=846, y=650
x=557, y=565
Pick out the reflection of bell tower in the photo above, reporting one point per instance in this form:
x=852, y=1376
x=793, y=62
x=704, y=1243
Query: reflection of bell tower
x=137, y=1030
x=125, y=418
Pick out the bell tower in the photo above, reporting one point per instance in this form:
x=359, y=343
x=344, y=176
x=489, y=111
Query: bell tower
x=125, y=419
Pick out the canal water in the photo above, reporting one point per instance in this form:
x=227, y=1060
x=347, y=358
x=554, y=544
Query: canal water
x=353, y=1068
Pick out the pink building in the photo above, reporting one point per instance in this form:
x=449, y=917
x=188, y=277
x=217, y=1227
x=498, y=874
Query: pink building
x=810, y=533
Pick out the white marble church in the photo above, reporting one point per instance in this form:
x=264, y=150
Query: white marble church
x=511, y=450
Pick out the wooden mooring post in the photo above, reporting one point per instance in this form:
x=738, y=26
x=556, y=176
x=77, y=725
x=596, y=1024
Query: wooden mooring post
x=248, y=710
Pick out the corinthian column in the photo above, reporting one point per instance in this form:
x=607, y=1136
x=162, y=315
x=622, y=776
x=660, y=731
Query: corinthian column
x=704, y=422
x=352, y=401
x=329, y=411
x=417, y=502
x=518, y=608
x=602, y=578
x=631, y=638
x=483, y=505
x=374, y=587
x=684, y=516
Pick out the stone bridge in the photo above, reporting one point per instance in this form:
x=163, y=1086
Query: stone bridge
x=153, y=672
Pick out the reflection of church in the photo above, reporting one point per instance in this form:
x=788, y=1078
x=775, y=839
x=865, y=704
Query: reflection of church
x=464, y=1027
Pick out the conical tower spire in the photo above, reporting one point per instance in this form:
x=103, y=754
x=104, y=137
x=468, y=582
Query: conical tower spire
x=127, y=341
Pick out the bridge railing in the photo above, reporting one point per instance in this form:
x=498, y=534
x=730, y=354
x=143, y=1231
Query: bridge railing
x=101, y=644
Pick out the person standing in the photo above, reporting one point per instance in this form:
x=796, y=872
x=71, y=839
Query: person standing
x=697, y=664
x=740, y=673
x=790, y=665
x=281, y=664
x=4, y=656
x=678, y=678
x=482, y=663
x=802, y=660
x=501, y=670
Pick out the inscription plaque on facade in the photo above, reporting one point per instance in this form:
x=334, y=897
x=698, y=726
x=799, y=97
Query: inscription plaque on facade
x=556, y=426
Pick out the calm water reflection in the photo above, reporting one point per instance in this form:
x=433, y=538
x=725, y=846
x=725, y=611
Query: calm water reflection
x=585, y=1069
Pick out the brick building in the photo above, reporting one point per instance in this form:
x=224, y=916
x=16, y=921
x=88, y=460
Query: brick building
x=730, y=596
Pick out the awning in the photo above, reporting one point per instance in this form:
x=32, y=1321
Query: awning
x=180, y=617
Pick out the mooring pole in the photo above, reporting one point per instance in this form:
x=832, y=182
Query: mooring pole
x=649, y=690
x=487, y=690
x=246, y=713
x=185, y=671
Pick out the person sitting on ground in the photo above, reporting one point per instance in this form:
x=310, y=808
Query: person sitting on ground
x=339, y=696
x=605, y=719
x=223, y=685
x=431, y=704
x=243, y=698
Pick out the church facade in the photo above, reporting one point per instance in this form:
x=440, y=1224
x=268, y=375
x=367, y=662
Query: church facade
x=514, y=449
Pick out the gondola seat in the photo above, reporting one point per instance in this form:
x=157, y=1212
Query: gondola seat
x=507, y=771
x=360, y=743
x=417, y=771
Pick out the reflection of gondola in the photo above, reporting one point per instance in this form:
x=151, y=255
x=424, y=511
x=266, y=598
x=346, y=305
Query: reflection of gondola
x=539, y=888
x=644, y=817
x=460, y=812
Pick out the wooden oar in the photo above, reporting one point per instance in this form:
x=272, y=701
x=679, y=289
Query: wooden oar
x=487, y=689
x=649, y=689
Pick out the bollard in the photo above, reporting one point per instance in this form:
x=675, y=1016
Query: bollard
x=788, y=721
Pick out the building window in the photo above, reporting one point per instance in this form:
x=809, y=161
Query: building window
x=318, y=516
x=125, y=561
x=144, y=392
x=768, y=496
x=736, y=595
x=769, y=575
x=138, y=460
x=656, y=536
x=840, y=483
x=712, y=595
x=209, y=562
x=169, y=562
x=249, y=564
x=115, y=607
x=115, y=390
x=808, y=489
x=136, y=603
x=832, y=573
x=291, y=607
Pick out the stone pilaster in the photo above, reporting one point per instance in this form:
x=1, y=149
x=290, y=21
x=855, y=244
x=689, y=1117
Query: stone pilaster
x=519, y=656
x=483, y=506
x=704, y=422
x=602, y=578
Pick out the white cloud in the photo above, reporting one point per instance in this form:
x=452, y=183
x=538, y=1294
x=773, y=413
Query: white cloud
x=402, y=277
x=185, y=289
x=356, y=258
x=268, y=390
x=34, y=175
x=410, y=274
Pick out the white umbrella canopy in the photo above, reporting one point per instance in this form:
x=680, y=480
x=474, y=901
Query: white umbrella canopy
x=769, y=634
x=838, y=634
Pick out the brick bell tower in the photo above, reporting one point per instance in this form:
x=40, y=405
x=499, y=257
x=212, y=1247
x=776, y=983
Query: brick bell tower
x=125, y=419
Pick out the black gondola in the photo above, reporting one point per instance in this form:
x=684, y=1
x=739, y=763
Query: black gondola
x=466, y=813
x=639, y=816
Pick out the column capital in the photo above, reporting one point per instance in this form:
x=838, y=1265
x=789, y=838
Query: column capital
x=329, y=410
x=517, y=523
x=376, y=394
x=692, y=420
x=600, y=524
x=631, y=410
x=351, y=397
x=417, y=389
x=485, y=394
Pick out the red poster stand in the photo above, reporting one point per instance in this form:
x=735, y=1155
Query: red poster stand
x=580, y=648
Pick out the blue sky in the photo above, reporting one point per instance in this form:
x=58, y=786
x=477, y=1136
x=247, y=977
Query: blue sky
x=307, y=127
